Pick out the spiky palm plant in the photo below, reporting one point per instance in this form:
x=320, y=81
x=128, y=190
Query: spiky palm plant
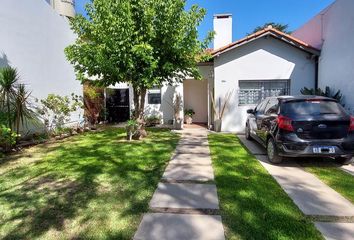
x=8, y=83
x=22, y=112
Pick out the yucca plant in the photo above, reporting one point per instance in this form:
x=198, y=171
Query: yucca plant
x=22, y=112
x=8, y=83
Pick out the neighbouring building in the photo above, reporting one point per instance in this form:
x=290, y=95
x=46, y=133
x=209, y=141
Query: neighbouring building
x=332, y=31
x=33, y=36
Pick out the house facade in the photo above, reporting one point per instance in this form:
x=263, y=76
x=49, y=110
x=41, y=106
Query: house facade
x=263, y=64
x=332, y=31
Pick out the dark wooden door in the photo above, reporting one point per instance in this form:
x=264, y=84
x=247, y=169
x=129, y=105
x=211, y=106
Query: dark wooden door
x=117, y=104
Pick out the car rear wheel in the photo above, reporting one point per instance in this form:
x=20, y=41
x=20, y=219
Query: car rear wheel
x=345, y=160
x=248, y=132
x=272, y=152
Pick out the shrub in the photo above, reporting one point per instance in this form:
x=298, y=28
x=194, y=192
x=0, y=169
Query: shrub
x=55, y=110
x=7, y=138
x=328, y=92
x=152, y=121
x=189, y=112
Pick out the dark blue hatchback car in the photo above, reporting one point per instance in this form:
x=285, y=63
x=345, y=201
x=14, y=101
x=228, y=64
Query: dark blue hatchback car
x=302, y=126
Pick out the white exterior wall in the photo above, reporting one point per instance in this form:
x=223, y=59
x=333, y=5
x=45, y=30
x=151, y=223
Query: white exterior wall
x=168, y=93
x=336, y=64
x=262, y=59
x=33, y=38
x=196, y=94
x=163, y=110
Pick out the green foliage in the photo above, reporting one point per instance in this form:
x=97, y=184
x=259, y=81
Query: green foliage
x=281, y=27
x=14, y=103
x=22, y=111
x=152, y=121
x=55, y=110
x=8, y=82
x=328, y=92
x=189, y=112
x=7, y=138
x=141, y=42
x=252, y=204
x=90, y=186
x=93, y=103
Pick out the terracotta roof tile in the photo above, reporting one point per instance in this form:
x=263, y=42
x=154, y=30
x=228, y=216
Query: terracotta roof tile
x=269, y=29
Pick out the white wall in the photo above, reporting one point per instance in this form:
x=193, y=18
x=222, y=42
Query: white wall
x=333, y=28
x=262, y=59
x=196, y=98
x=336, y=64
x=33, y=38
x=163, y=110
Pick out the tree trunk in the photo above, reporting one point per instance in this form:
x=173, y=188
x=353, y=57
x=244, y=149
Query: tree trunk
x=9, y=112
x=139, y=106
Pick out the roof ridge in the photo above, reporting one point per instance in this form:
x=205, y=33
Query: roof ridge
x=259, y=33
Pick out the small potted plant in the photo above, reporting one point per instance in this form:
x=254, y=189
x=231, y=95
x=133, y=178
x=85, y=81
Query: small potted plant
x=188, y=114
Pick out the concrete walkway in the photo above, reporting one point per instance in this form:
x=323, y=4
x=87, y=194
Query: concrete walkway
x=185, y=204
x=314, y=198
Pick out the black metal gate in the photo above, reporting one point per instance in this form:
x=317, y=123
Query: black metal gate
x=117, y=105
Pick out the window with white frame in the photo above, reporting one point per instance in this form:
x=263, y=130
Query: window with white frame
x=253, y=91
x=154, y=95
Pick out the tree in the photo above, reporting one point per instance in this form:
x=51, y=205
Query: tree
x=281, y=27
x=144, y=43
x=8, y=81
x=22, y=111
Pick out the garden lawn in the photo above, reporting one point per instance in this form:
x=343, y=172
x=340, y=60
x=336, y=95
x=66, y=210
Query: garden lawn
x=92, y=186
x=252, y=204
x=337, y=179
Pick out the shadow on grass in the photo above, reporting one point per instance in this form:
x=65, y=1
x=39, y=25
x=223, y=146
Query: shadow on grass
x=253, y=206
x=90, y=186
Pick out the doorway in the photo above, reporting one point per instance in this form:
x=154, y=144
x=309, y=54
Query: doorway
x=195, y=94
x=117, y=105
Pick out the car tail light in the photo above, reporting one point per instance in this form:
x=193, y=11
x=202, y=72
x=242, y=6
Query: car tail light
x=351, y=126
x=285, y=123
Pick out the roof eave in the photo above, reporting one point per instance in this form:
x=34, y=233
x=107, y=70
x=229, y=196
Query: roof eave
x=273, y=33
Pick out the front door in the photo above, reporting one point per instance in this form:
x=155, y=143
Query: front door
x=117, y=104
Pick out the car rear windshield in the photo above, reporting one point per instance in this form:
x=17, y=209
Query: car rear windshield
x=312, y=107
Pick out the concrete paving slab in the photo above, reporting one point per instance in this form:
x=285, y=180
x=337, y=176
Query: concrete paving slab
x=180, y=227
x=349, y=169
x=188, y=172
x=185, y=196
x=192, y=149
x=191, y=158
x=253, y=146
x=312, y=196
x=336, y=231
x=193, y=141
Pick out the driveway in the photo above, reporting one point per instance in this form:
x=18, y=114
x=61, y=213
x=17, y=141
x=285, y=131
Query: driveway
x=332, y=213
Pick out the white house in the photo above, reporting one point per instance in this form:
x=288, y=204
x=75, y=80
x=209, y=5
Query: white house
x=266, y=63
x=33, y=36
x=332, y=31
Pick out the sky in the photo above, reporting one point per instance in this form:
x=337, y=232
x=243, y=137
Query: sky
x=248, y=14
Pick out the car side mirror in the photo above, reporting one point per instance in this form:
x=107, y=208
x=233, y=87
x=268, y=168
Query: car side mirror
x=251, y=111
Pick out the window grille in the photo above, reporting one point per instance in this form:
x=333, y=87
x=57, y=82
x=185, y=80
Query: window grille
x=253, y=91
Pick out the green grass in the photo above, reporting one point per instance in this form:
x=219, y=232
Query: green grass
x=93, y=186
x=253, y=205
x=337, y=179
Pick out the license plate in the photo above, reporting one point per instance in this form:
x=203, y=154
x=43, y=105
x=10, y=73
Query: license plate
x=325, y=149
